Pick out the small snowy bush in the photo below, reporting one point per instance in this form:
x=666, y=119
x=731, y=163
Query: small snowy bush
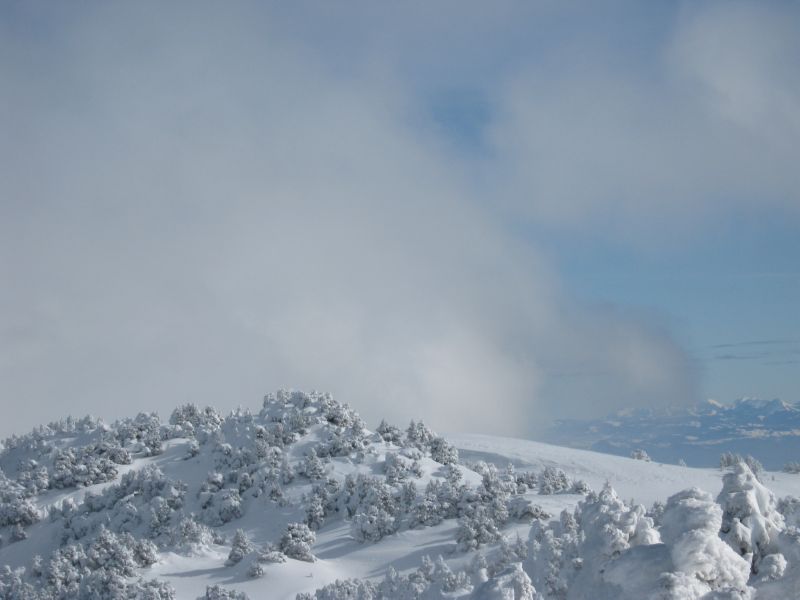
x=297, y=541
x=240, y=547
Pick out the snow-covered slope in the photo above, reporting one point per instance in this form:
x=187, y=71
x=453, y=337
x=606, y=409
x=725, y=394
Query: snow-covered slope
x=643, y=481
x=291, y=499
x=768, y=430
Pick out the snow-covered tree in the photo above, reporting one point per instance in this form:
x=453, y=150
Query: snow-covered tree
x=419, y=436
x=297, y=541
x=390, y=433
x=751, y=521
x=312, y=466
x=373, y=524
x=443, y=452
x=554, y=481
x=476, y=528
x=240, y=547
x=702, y=562
x=512, y=583
x=217, y=592
x=255, y=569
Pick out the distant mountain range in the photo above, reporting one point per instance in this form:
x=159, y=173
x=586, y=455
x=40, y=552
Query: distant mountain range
x=769, y=430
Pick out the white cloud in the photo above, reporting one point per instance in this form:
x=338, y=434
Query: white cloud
x=204, y=206
x=706, y=126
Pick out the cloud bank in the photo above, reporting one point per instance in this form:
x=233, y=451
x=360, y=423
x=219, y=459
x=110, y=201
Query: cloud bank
x=201, y=203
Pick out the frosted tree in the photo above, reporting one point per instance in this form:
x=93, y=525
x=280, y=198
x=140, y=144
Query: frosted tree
x=373, y=524
x=240, y=547
x=792, y=467
x=297, y=541
x=18, y=533
x=730, y=459
x=312, y=466
x=512, y=583
x=255, y=569
x=443, y=452
x=390, y=433
x=217, y=592
x=554, y=481
x=702, y=562
x=419, y=435
x=315, y=512
x=611, y=526
x=477, y=528
x=751, y=521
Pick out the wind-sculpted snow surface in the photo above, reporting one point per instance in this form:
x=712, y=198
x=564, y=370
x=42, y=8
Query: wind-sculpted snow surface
x=302, y=500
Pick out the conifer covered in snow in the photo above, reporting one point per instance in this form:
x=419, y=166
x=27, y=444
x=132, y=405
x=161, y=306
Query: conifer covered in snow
x=296, y=542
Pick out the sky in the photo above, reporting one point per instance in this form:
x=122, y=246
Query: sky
x=485, y=215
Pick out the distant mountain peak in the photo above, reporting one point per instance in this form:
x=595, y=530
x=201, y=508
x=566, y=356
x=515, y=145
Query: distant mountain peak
x=766, y=429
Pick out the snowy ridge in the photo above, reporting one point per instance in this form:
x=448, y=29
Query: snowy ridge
x=769, y=430
x=302, y=500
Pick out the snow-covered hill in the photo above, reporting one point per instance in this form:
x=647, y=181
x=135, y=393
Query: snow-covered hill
x=291, y=499
x=768, y=430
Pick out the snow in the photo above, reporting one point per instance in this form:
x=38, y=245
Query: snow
x=644, y=482
x=717, y=531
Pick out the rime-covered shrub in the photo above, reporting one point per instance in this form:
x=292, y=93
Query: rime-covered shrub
x=731, y=459
x=145, y=431
x=143, y=499
x=101, y=568
x=591, y=548
x=360, y=493
x=86, y=465
x=792, y=467
x=344, y=441
x=395, y=468
x=772, y=567
x=512, y=583
x=390, y=433
x=372, y=525
x=189, y=536
x=419, y=436
x=255, y=569
x=579, y=486
x=240, y=547
x=443, y=452
x=220, y=507
x=554, y=481
x=640, y=454
x=526, y=480
x=702, y=562
x=440, y=501
x=269, y=554
x=17, y=510
x=610, y=526
x=789, y=507
x=476, y=528
x=192, y=421
x=751, y=521
x=522, y=509
x=296, y=542
x=18, y=533
x=315, y=512
x=312, y=466
x=344, y=589
x=433, y=579
x=217, y=592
